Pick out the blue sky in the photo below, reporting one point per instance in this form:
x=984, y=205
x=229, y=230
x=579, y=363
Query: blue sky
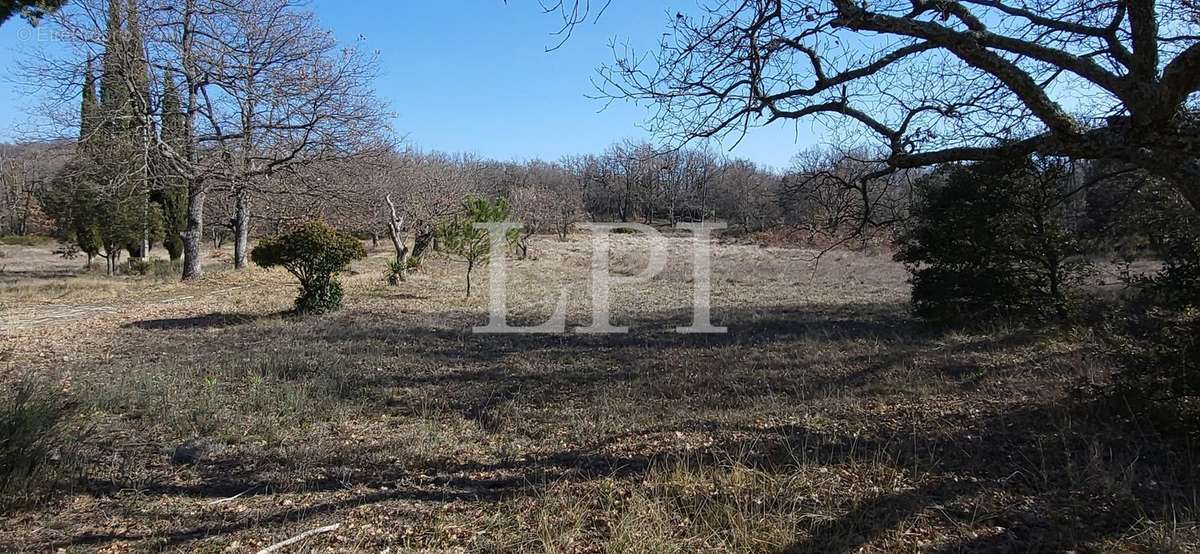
x=474, y=76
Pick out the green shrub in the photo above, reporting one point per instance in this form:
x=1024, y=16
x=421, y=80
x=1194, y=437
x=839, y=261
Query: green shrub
x=32, y=438
x=1176, y=285
x=1130, y=214
x=89, y=242
x=1156, y=339
x=314, y=253
x=989, y=240
x=397, y=269
x=1159, y=357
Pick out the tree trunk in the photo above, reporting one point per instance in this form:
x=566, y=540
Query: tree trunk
x=145, y=253
x=23, y=222
x=111, y=258
x=241, y=228
x=398, y=245
x=470, y=267
x=241, y=215
x=194, y=233
x=421, y=242
x=395, y=230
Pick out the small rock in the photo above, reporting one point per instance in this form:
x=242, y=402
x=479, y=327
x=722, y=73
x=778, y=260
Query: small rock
x=194, y=451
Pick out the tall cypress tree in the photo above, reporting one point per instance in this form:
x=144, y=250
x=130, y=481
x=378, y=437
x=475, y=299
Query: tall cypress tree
x=137, y=131
x=80, y=207
x=89, y=110
x=114, y=95
x=116, y=159
x=138, y=66
x=174, y=193
x=102, y=199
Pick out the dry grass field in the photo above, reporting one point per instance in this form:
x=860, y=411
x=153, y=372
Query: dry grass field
x=204, y=419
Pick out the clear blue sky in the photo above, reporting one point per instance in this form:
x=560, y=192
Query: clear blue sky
x=474, y=76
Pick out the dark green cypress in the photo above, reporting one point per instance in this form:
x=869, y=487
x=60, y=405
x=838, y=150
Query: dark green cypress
x=114, y=94
x=80, y=213
x=89, y=110
x=174, y=191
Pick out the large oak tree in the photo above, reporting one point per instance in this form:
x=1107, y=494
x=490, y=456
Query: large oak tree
x=933, y=81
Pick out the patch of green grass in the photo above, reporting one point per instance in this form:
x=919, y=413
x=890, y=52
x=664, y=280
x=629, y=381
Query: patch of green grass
x=26, y=240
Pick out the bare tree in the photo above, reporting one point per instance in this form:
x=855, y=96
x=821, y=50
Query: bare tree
x=624, y=181
x=420, y=191
x=933, y=81
x=548, y=199
x=747, y=195
x=281, y=93
x=687, y=180
x=829, y=190
x=25, y=174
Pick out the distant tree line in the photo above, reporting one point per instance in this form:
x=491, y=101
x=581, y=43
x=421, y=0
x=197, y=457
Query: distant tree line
x=26, y=175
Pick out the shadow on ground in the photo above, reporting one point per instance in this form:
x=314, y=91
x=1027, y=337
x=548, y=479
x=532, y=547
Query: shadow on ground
x=207, y=321
x=1037, y=473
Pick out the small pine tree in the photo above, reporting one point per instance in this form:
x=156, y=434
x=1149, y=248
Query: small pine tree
x=84, y=226
x=463, y=239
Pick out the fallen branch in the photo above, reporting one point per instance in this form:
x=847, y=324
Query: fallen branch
x=232, y=498
x=279, y=545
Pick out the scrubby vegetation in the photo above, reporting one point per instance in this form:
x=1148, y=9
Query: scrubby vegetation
x=1155, y=335
x=827, y=419
x=398, y=269
x=35, y=440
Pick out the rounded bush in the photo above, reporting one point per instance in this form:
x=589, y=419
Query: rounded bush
x=314, y=253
